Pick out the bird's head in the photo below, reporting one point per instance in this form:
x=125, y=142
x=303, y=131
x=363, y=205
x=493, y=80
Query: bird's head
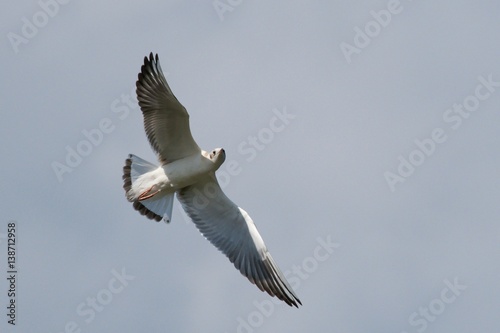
x=218, y=156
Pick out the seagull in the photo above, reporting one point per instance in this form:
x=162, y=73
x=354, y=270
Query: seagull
x=188, y=171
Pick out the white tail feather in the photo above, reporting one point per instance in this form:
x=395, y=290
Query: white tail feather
x=160, y=205
x=140, y=167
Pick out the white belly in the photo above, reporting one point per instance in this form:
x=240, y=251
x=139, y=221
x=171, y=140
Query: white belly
x=169, y=178
x=176, y=175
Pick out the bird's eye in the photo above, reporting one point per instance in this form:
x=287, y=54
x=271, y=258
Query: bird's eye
x=213, y=152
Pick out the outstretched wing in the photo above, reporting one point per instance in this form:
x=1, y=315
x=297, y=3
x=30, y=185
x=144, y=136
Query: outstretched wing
x=166, y=121
x=233, y=232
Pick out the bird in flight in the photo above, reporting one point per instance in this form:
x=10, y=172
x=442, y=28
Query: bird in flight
x=189, y=171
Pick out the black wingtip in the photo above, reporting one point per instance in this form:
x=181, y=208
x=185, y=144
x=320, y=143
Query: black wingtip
x=149, y=63
x=296, y=300
x=153, y=57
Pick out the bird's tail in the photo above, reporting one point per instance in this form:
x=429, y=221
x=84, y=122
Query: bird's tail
x=155, y=207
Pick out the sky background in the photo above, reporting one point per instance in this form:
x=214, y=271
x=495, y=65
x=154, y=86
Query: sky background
x=420, y=255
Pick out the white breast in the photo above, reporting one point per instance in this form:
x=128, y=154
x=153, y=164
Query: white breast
x=186, y=171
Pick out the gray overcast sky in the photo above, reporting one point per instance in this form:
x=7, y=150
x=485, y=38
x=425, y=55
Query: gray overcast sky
x=363, y=139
